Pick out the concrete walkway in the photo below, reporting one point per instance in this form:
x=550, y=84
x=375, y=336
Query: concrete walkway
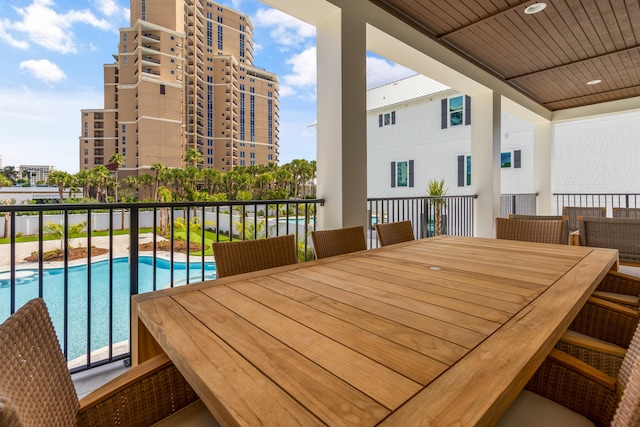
x=120, y=249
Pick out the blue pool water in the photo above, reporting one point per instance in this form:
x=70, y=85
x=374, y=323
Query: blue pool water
x=100, y=295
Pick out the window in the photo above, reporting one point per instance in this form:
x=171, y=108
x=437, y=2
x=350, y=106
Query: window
x=162, y=89
x=511, y=159
x=387, y=119
x=505, y=159
x=464, y=171
x=456, y=111
x=124, y=128
x=402, y=174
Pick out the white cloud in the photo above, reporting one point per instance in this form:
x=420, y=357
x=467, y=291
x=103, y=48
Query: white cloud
x=304, y=69
x=42, y=25
x=380, y=72
x=7, y=37
x=44, y=70
x=285, y=29
x=107, y=7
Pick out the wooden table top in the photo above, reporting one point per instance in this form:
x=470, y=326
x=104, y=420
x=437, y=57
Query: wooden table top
x=441, y=331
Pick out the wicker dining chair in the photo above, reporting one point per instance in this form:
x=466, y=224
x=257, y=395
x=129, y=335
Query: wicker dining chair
x=36, y=387
x=600, y=335
x=622, y=234
x=573, y=212
x=565, y=237
x=579, y=390
x=551, y=231
x=245, y=256
x=394, y=232
x=626, y=212
x=338, y=241
x=620, y=288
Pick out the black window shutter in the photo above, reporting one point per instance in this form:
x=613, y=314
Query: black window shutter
x=393, y=174
x=517, y=163
x=379, y=120
x=393, y=117
x=461, y=172
x=444, y=113
x=467, y=110
x=410, y=173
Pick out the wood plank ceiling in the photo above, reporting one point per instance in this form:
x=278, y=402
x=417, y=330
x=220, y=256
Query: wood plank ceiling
x=549, y=56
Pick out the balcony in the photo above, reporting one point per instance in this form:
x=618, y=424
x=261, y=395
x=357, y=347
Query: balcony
x=97, y=333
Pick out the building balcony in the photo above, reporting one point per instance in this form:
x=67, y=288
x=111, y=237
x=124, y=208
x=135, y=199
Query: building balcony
x=150, y=38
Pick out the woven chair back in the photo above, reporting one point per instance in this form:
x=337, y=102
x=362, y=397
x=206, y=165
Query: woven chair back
x=565, y=237
x=251, y=255
x=339, y=241
x=626, y=212
x=394, y=232
x=628, y=412
x=622, y=234
x=539, y=231
x=33, y=371
x=573, y=212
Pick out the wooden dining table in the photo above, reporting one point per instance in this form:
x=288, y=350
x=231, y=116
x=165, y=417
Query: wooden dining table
x=441, y=331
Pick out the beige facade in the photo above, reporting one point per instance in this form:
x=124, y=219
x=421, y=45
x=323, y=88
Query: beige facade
x=184, y=78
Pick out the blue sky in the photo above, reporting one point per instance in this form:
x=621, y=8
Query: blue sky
x=53, y=52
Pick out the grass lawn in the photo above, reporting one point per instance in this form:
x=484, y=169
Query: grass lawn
x=196, y=237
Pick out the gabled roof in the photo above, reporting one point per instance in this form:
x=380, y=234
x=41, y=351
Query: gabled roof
x=414, y=87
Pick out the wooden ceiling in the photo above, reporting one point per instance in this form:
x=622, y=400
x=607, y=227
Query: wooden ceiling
x=549, y=56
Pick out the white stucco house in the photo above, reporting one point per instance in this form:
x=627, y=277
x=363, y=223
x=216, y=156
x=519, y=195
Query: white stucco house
x=419, y=129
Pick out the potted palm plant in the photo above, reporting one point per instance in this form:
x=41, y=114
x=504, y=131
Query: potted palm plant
x=436, y=188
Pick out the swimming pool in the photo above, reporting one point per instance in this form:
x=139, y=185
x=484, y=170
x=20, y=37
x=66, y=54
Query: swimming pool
x=78, y=300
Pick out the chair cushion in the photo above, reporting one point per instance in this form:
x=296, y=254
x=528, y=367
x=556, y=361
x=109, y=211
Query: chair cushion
x=532, y=410
x=195, y=414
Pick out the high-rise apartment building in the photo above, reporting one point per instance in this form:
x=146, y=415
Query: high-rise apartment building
x=183, y=78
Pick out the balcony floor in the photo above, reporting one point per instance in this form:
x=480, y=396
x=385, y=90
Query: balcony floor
x=87, y=381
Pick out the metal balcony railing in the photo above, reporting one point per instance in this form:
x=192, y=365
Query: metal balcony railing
x=90, y=306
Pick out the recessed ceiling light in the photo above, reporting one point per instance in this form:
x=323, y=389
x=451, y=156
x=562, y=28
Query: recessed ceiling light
x=535, y=8
x=594, y=82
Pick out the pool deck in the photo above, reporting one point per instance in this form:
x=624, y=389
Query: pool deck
x=120, y=249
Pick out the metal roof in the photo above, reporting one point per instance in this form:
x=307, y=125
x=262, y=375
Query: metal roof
x=413, y=87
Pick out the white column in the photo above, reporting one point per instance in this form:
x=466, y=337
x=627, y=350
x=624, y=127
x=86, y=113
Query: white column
x=485, y=160
x=342, y=129
x=542, y=167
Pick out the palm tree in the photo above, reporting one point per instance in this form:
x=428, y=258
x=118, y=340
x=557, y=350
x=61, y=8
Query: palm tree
x=193, y=157
x=7, y=214
x=100, y=179
x=83, y=179
x=11, y=173
x=61, y=180
x=212, y=181
x=158, y=169
x=133, y=183
x=5, y=182
x=145, y=180
x=117, y=160
x=436, y=188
